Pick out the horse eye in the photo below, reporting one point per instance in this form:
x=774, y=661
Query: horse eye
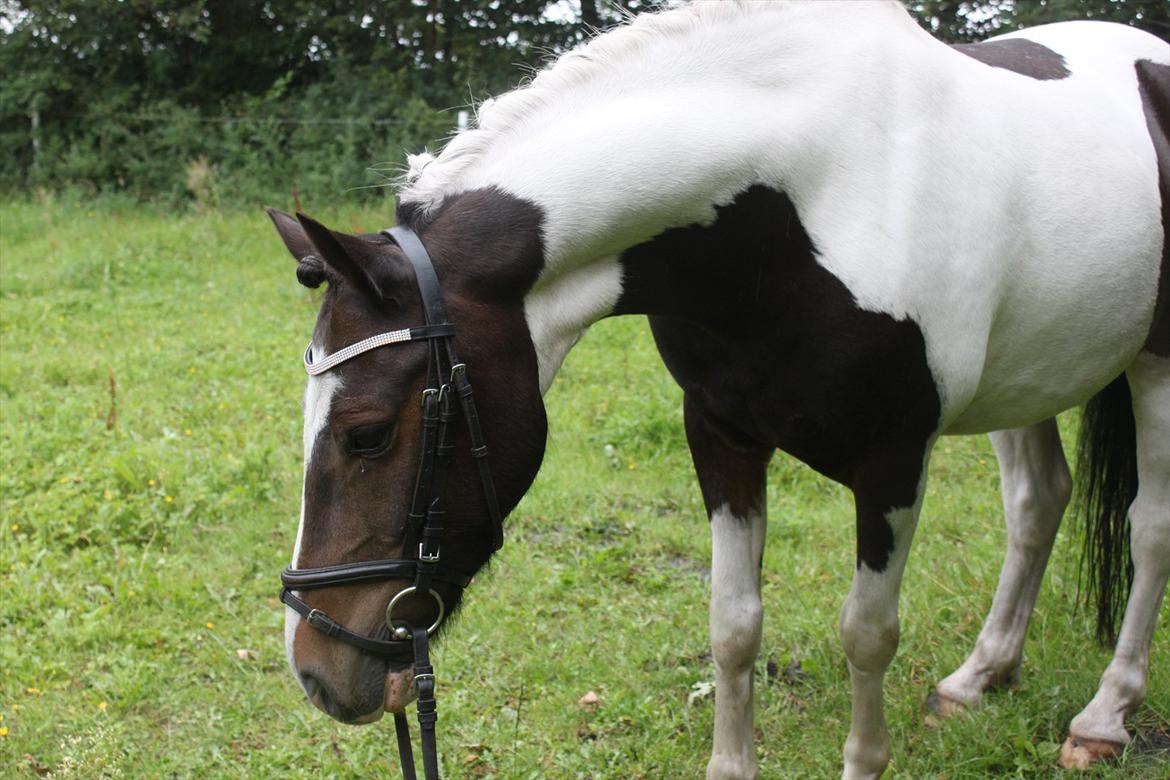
x=370, y=441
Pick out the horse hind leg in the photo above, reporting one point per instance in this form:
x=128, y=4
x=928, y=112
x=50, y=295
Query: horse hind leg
x=1036, y=487
x=1099, y=730
x=732, y=477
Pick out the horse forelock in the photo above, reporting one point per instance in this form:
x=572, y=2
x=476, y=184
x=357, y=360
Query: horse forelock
x=430, y=178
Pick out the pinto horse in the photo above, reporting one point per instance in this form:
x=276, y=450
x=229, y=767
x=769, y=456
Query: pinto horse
x=850, y=239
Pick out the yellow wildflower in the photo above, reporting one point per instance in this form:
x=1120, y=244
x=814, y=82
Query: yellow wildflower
x=3, y=731
x=187, y=431
x=211, y=625
x=15, y=527
x=150, y=482
x=102, y=706
x=33, y=691
x=168, y=499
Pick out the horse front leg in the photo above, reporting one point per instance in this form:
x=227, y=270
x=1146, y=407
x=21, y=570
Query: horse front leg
x=732, y=473
x=888, y=496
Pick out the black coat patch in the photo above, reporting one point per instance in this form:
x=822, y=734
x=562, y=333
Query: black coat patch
x=1154, y=86
x=774, y=348
x=1018, y=55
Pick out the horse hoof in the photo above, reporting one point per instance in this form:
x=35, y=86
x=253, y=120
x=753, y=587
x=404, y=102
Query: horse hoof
x=1077, y=753
x=939, y=706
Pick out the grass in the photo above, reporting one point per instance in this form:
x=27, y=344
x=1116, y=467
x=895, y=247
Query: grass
x=150, y=388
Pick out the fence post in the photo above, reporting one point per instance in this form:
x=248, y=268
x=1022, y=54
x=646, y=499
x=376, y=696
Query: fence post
x=35, y=121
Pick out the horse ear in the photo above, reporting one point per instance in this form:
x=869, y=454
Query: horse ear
x=310, y=268
x=379, y=269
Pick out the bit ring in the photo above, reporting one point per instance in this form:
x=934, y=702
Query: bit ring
x=406, y=592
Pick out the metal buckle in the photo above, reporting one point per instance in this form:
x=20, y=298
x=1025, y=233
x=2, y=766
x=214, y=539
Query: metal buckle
x=406, y=592
x=460, y=368
x=425, y=393
x=424, y=558
x=322, y=622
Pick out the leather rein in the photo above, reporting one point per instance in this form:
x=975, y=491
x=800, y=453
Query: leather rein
x=446, y=382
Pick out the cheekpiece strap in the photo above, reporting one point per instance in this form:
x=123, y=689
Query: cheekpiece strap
x=434, y=310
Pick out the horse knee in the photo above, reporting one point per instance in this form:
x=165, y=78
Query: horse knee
x=870, y=642
x=735, y=633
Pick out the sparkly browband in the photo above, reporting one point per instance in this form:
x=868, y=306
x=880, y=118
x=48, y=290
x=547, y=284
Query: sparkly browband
x=373, y=342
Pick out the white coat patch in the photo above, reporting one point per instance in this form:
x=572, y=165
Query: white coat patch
x=319, y=394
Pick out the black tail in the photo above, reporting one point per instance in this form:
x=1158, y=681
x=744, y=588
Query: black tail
x=1107, y=482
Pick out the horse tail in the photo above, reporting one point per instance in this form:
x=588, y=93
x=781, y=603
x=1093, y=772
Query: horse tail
x=1107, y=480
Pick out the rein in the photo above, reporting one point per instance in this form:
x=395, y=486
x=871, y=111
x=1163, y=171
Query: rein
x=446, y=377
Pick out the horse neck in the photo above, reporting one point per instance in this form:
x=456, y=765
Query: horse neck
x=676, y=130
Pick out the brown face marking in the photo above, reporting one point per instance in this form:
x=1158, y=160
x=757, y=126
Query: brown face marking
x=1154, y=87
x=1018, y=55
x=771, y=346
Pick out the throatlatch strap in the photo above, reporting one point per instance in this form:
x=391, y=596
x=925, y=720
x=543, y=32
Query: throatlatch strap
x=479, y=452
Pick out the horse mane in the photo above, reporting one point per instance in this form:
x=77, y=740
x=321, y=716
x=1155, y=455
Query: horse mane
x=429, y=178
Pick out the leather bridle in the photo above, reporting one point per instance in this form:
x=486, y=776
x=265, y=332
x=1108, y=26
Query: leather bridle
x=446, y=377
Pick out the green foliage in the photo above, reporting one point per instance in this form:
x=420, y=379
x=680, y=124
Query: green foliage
x=967, y=21
x=140, y=551
x=126, y=96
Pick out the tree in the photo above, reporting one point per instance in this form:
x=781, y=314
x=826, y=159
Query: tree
x=967, y=21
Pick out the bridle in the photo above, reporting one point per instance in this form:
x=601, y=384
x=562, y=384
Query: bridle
x=446, y=376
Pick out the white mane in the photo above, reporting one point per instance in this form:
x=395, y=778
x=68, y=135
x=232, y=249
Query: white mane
x=430, y=178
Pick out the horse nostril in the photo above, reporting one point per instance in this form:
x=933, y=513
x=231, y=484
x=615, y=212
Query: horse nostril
x=321, y=697
x=312, y=686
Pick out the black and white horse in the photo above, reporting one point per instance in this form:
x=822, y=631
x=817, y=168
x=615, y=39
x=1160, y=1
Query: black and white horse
x=851, y=239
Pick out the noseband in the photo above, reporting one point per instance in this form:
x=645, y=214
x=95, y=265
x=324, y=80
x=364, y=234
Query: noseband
x=446, y=377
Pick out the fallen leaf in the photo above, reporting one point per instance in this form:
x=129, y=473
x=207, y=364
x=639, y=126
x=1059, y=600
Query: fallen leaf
x=589, y=701
x=701, y=690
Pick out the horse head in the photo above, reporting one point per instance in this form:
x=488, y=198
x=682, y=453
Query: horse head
x=360, y=537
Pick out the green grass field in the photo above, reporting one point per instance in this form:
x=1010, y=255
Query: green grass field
x=150, y=385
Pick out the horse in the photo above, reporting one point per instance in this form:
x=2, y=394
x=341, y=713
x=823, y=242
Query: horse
x=850, y=240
